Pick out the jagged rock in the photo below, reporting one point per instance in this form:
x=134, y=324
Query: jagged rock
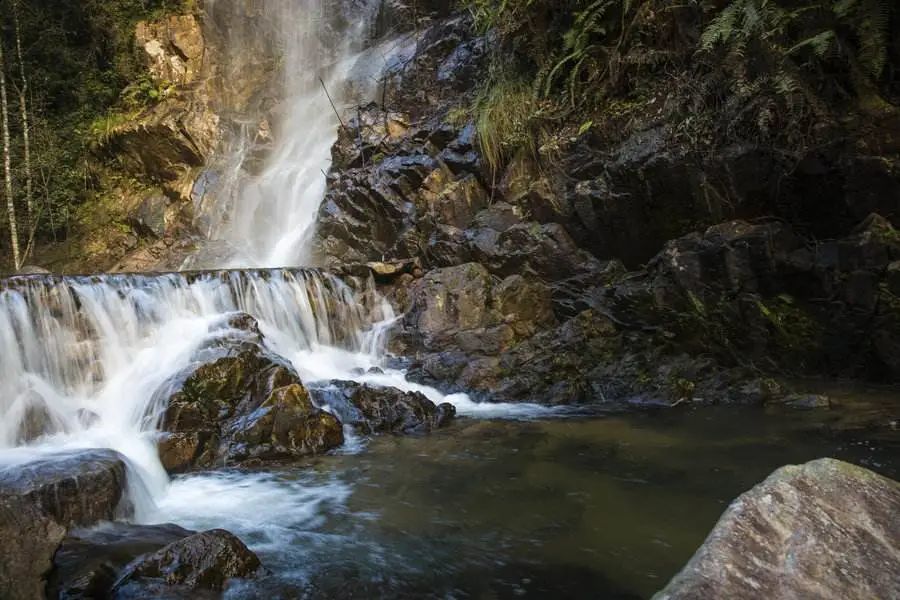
x=173, y=48
x=201, y=561
x=286, y=425
x=240, y=402
x=826, y=529
x=40, y=500
x=88, y=561
x=149, y=219
x=385, y=409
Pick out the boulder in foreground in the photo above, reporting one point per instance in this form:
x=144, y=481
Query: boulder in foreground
x=204, y=560
x=826, y=529
x=40, y=500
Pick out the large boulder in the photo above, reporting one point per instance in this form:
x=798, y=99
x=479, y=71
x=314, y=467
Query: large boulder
x=41, y=500
x=375, y=409
x=203, y=561
x=826, y=529
x=240, y=402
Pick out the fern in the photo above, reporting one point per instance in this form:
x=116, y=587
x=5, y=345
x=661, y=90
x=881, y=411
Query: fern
x=578, y=44
x=783, y=39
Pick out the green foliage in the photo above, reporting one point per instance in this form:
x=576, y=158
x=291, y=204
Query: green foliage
x=505, y=15
x=581, y=45
x=85, y=79
x=776, y=44
x=507, y=120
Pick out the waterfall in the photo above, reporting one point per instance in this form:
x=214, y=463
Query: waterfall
x=267, y=219
x=81, y=358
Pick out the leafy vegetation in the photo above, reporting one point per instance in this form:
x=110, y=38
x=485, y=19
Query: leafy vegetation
x=79, y=58
x=744, y=69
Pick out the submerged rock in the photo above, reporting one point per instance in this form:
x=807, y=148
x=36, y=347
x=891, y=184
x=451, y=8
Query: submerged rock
x=39, y=501
x=825, y=529
x=201, y=561
x=375, y=409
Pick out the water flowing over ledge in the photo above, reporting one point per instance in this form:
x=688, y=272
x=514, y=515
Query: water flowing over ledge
x=86, y=356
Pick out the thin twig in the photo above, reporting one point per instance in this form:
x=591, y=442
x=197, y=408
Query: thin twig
x=333, y=107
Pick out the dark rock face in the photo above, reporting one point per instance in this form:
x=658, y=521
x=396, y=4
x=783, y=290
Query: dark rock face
x=240, y=402
x=698, y=322
x=826, y=529
x=385, y=410
x=824, y=307
x=41, y=500
x=201, y=561
x=88, y=561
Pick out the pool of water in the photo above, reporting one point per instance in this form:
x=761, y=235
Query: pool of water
x=585, y=506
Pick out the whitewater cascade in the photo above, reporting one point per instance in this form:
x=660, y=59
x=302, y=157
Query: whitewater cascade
x=267, y=219
x=81, y=358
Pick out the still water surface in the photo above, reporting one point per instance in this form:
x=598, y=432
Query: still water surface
x=585, y=506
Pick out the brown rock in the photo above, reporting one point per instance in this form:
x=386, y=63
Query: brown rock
x=202, y=561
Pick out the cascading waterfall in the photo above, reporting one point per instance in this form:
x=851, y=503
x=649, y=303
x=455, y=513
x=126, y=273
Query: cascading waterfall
x=82, y=357
x=267, y=220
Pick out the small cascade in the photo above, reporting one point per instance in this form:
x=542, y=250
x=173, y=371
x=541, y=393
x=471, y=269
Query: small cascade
x=86, y=354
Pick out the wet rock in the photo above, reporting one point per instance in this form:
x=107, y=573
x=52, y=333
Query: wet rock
x=179, y=452
x=375, y=409
x=203, y=561
x=39, y=501
x=286, y=425
x=77, y=488
x=826, y=529
x=240, y=402
x=807, y=401
x=547, y=251
x=444, y=67
x=88, y=561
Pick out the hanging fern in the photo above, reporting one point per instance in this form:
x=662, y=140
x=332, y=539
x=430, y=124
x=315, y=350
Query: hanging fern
x=578, y=45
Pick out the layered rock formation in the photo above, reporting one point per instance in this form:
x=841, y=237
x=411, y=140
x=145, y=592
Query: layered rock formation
x=527, y=283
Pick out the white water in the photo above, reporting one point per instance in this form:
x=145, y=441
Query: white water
x=83, y=358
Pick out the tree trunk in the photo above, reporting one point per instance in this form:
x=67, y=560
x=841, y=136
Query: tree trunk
x=26, y=131
x=7, y=168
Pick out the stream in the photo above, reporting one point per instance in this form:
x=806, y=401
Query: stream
x=585, y=505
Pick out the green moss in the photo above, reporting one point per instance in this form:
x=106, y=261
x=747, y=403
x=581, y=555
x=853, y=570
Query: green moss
x=795, y=331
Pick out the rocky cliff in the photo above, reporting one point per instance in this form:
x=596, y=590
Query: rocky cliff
x=636, y=254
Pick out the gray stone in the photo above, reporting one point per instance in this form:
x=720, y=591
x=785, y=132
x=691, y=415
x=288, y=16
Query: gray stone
x=39, y=501
x=825, y=530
